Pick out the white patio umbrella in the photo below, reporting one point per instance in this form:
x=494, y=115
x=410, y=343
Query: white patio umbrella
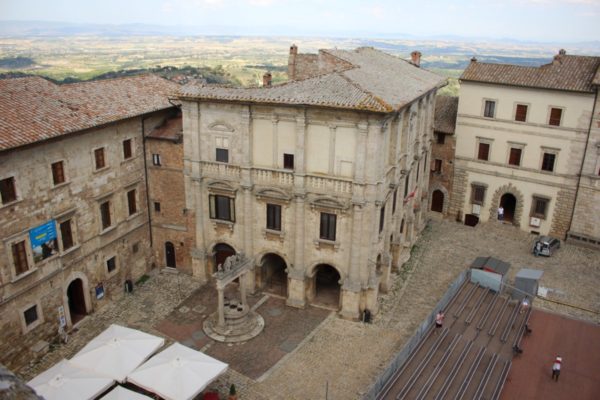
x=121, y=393
x=65, y=381
x=117, y=351
x=177, y=373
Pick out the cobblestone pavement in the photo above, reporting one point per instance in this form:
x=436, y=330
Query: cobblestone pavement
x=342, y=357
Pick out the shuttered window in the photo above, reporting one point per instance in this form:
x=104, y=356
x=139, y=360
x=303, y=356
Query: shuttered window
x=105, y=214
x=99, y=158
x=58, y=173
x=66, y=234
x=555, y=116
x=515, y=156
x=483, y=152
x=489, y=109
x=20, y=258
x=548, y=162
x=521, y=113
x=127, y=153
x=328, y=226
x=222, y=207
x=7, y=190
x=274, y=217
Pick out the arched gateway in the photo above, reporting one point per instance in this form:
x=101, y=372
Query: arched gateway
x=327, y=287
x=273, y=278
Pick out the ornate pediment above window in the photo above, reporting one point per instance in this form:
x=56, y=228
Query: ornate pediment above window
x=327, y=203
x=221, y=187
x=221, y=126
x=272, y=194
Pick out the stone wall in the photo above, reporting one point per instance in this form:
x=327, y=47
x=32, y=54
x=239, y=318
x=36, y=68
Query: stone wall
x=443, y=179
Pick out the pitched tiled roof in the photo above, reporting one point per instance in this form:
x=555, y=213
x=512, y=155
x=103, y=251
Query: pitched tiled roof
x=446, y=108
x=33, y=109
x=377, y=82
x=172, y=129
x=565, y=72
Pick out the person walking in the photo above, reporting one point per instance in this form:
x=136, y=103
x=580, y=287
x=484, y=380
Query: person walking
x=556, y=368
x=439, y=320
x=500, y=213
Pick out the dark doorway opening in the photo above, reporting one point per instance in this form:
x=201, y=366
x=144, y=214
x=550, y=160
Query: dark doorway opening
x=509, y=203
x=222, y=251
x=76, y=299
x=327, y=286
x=274, y=277
x=170, y=255
x=437, y=201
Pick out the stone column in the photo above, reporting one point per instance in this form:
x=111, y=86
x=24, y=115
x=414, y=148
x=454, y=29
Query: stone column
x=221, y=309
x=194, y=200
x=243, y=289
x=296, y=272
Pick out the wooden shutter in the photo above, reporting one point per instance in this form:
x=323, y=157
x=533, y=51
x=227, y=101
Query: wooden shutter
x=521, y=113
x=484, y=151
x=515, y=156
x=555, y=116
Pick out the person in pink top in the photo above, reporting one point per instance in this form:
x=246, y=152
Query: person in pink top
x=439, y=319
x=556, y=368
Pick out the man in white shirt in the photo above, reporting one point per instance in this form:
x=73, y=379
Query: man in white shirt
x=556, y=368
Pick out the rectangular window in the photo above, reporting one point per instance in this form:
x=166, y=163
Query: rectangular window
x=111, y=264
x=222, y=207
x=394, y=201
x=539, y=206
x=7, y=190
x=31, y=315
x=521, y=113
x=131, y=202
x=548, y=162
x=105, y=214
x=437, y=166
x=58, y=173
x=99, y=158
x=156, y=206
x=381, y=218
x=406, y=186
x=288, y=161
x=555, y=116
x=489, y=109
x=483, y=152
x=222, y=155
x=20, y=258
x=477, y=194
x=515, y=156
x=156, y=159
x=127, y=153
x=328, y=222
x=441, y=138
x=67, y=234
x=274, y=217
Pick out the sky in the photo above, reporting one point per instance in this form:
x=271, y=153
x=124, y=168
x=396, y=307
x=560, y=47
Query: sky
x=526, y=20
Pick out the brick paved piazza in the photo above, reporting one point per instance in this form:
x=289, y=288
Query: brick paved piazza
x=302, y=351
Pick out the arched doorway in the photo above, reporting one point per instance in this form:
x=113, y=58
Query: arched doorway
x=437, y=201
x=221, y=252
x=509, y=203
x=170, y=255
x=76, y=299
x=327, y=286
x=273, y=276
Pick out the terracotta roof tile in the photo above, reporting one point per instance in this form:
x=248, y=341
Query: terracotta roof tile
x=377, y=82
x=33, y=109
x=565, y=72
x=172, y=129
x=446, y=109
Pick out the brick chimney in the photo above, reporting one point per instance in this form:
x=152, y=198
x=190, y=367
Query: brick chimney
x=292, y=62
x=415, y=58
x=557, y=58
x=267, y=79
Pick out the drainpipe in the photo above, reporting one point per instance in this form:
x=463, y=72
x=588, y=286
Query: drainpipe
x=146, y=181
x=587, y=141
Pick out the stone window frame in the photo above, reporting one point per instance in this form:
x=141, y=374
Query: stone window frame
x=64, y=173
x=70, y=215
x=515, y=145
x=108, y=197
x=132, y=153
x=483, y=107
x=156, y=160
x=222, y=142
x=14, y=190
x=22, y=236
x=549, y=116
x=104, y=159
x=137, y=203
x=110, y=274
x=278, y=216
x=326, y=236
x=549, y=150
x=25, y=329
x=479, y=140
x=534, y=198
x=213, y=207
x=275, y=197
x=527, y=112
x=475, y=185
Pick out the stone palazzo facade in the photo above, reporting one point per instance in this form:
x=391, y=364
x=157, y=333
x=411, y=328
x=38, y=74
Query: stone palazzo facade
x=322, y=181
x=522, y=135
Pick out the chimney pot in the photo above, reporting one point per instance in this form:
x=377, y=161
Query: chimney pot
x=415, y=58
x=562, y=52
x=474, y=59
x=267, y=79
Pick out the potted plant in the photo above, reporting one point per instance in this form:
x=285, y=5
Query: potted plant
x=232, y=392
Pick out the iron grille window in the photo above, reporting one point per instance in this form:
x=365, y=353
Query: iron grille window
x=20, y=257
x=515, y=156
x=131, y=203
x=7, y=190
x=99, y=157
x=555, y=116
x=288, y=161
x=105, y=214
x=222, y=207
x=31, y=315
x=67, y=234
x=58, y=173
x=274, y=217
x=328, y=226
x=539, y=207
x=489, y=109
x=477, y=194
x=521, y=113
x=484, y=152
x=127, y=153
x=548, y=162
